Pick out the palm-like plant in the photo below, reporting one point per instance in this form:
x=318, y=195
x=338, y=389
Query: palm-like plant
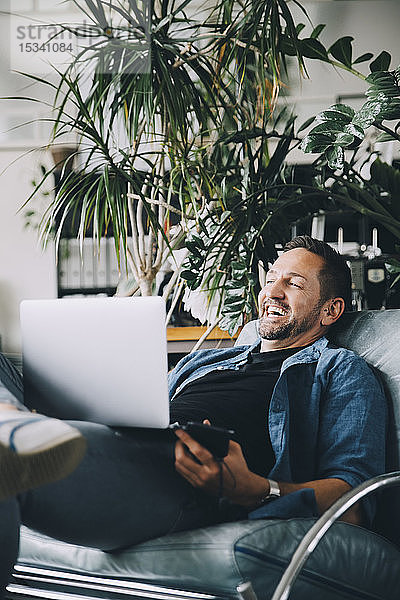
x=174, y=115
x=150, y=99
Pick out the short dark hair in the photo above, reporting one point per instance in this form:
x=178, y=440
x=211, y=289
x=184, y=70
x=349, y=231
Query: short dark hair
x=335, y=275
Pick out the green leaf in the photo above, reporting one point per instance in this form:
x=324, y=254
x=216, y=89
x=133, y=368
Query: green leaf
x=306, y=124
x=233, y=305
x=328, y=128
x=355, y=130
x=233, y=312
x=193, y=248
x=342, y=50
x=387, y=177
x=234, y=291
x=392, y=112
x=234, y=284
x=248, y=307
x=231, y=322
x=253, y=280
x=316, y=32
x=383, y=81
x=188, y=275
x=224, y=216
x=368, y=113
x=383, y=94
x=393, y=265
x=198, y=241
x=381, y=63
x=287, y=47
x=337, y=112
x=335, y=157
x=316, y=143
x=344, y=139
x=312, y=48
x=238, y=269
x=395, y=281
x=363, y=58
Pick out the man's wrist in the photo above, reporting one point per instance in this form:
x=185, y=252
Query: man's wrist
x=269, y=491
x=263, y=490
x=273, y=493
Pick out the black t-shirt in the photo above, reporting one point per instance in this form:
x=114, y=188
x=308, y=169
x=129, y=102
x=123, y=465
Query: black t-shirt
x=239, y=400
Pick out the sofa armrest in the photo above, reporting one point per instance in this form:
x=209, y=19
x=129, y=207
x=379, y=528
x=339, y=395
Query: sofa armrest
x=318, y=530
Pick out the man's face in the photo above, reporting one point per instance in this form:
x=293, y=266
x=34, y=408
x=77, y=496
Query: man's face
x=290, y=307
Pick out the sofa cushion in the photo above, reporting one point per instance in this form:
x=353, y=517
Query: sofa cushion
x=350, y=562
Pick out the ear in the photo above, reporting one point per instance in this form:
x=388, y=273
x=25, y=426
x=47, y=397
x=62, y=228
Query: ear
x=332, y=311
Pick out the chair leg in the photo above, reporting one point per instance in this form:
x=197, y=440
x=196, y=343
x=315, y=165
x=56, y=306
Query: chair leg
x=245, y=591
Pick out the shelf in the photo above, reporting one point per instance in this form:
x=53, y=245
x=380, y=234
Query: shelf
x=182, y=339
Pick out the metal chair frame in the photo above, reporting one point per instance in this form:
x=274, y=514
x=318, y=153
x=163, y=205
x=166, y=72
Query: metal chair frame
x=320, y=527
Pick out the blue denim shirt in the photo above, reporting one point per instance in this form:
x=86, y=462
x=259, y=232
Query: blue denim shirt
x=327, y=416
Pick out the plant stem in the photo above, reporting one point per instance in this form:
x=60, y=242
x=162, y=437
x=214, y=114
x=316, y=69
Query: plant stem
x=351, y=70
x=173, y=279
x=394, y=135
x=174, y=301
x=206, y=334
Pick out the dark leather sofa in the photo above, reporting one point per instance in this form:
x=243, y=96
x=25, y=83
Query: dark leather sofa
x=246, y=559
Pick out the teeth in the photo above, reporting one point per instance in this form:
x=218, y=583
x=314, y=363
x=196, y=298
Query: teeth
x=276, y=310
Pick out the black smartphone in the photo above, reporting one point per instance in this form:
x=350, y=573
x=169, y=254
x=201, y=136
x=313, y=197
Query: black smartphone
x=215, y=439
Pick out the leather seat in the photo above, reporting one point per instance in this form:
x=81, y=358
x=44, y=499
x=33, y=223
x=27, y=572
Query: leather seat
x=221, y=561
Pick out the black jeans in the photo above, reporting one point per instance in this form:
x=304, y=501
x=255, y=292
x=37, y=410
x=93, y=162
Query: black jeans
x=125, y=491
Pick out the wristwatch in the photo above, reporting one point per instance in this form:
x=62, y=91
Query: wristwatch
x=273, y=494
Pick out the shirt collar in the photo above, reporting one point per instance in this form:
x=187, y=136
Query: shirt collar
x=306, y=355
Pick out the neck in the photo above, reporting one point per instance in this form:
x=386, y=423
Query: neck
x=299, y=342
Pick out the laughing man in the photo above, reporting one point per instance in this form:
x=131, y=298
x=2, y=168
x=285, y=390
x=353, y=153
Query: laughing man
x=310, y=423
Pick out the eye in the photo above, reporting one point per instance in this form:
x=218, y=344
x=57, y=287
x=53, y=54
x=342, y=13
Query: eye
x=294, y=284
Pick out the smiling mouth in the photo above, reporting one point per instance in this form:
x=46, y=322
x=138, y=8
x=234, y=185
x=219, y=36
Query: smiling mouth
x=273, y=310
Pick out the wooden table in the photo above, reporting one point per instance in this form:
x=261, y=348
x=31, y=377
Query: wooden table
x=182, y=339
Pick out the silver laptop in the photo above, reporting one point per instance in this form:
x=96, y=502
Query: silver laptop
x=97, y=359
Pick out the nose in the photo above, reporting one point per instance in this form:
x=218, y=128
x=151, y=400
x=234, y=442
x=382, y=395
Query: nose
x=275, y=289
x=272, y=290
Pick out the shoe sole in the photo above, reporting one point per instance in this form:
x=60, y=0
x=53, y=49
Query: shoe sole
x=22, y=472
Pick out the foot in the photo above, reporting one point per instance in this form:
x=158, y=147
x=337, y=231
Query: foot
x=35, y=450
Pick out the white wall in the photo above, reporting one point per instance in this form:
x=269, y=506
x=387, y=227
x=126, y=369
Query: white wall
x=26, y=272
x=374, y=25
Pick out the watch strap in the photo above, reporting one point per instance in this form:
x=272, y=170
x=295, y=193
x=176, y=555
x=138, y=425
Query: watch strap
x=273, y=493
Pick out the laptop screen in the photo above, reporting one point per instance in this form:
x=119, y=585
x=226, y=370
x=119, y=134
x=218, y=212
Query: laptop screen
x=97, y=359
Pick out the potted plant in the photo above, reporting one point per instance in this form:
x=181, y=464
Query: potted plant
x=146, y=99
x=169, y=110
x=178, y=139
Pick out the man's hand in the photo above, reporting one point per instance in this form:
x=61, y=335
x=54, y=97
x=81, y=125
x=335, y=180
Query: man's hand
x=197, y=465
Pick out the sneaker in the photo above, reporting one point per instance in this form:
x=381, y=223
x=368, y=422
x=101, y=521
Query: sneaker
x=35, y=450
